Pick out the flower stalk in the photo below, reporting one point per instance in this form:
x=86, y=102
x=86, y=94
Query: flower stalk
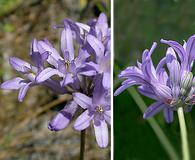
x=82, y=145
x=184, y=138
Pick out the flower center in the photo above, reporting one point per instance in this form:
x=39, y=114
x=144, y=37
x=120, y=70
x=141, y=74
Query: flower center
x=99, y=109
x=67, y=64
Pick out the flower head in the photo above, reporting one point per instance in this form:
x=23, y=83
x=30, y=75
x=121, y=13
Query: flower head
x=171, y=83
x=97, y=110
x=81, y=69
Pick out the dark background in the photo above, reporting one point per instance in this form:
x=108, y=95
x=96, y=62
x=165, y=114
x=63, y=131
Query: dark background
x=23, y=126
x=137, y=24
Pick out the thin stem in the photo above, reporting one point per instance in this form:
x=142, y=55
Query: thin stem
x=184, y=138
x=82, y=145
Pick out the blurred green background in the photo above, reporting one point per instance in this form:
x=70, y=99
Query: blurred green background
x=23, y=126
x=137, y=24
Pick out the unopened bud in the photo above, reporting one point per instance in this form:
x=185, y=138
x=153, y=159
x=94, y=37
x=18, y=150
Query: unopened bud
x=192, y=90
x=186, y=82
x=183, y=91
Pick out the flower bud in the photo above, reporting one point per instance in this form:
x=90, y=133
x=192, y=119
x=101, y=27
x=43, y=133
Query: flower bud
x=182, y=91
x=186, y=82
x=60, y=121
x=192, y=90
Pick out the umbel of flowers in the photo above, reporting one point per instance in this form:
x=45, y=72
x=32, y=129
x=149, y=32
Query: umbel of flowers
x=83, y=69
x=171, y=84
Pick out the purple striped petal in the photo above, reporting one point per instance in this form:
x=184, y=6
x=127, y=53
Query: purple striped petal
x=83, y=26
x=82, y=100
x=62, y=119
x=146, y=91
x=148, y=70
x=15, y=83
x=160, y=65
x=153, y=109
x=123, y=87
x=174, y=72
x=67, y=42
x=97, y=46
x=107, y=116
x=177, y=47
x=22, y=91
x=190, y=48
x=168, y=114
x=162, y=91
x=67, y=80
x=101, y=134
x=83, y=121
x=163, y=76
x=19, y=65
x=106, y=80
x=46, y=74
x=53, y=53
x=88, y=73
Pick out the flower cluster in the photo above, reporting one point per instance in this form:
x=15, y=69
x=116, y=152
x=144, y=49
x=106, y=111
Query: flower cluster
x=171, y=83
x=81, y=69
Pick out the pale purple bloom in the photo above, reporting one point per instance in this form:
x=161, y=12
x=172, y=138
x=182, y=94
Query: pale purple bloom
x=67, y=67
x=83, y=72
x=97, y=110
x=29, y=72
x=171, y=88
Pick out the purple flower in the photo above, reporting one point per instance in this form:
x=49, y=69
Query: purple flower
x=81, y=69
x=29, y=73
x=171, y=88
x=97, y=110
x=67, y=67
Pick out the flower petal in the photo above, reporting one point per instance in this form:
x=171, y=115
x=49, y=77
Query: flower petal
x=153, y=109
x=67, y=80
x=22, y=91
x=88, y=73
x=19, y=65
x=101, y=134
x=83, y=121
x=14, y=83
x=168, y=114
x=107, y=116
x=46, y=74
x=106, y=80
x=53, y=53
x=190, y=48
x=67, y=42
x=146, y=91
x=162, y=91
x=177, y=47
x=82, y=100
x=174, y=72
x=123, y=87
x=97, y=46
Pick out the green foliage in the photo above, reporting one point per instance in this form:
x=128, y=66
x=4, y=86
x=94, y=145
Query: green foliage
x=8, y=5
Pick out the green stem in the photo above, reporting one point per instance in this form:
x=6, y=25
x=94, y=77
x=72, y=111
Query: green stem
x=82, y=145
x=184, y=137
